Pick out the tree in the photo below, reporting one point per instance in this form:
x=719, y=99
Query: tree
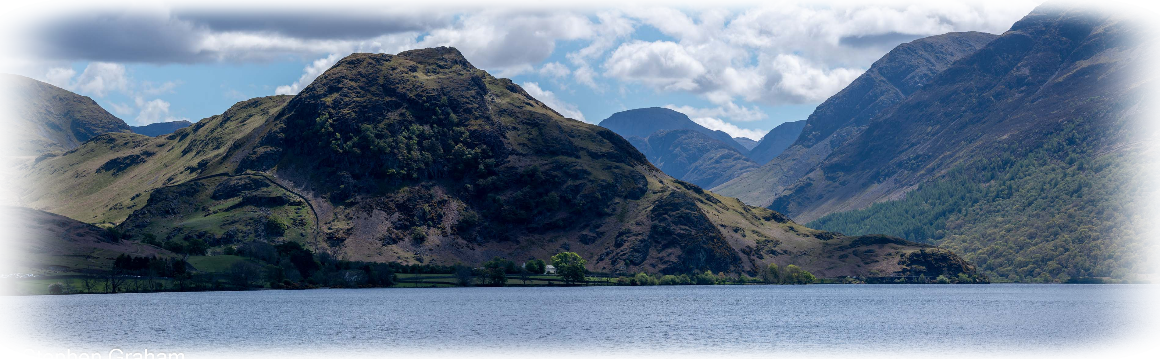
x=195, y=246
x=462, y=275
x=495, y=271
x=795, y=275
x=570, y=267
x=535, y=266
x=771, y=274
x=244, y=274
x=791, y=274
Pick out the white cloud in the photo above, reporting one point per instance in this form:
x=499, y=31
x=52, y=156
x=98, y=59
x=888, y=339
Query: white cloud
x=60, y=76
x=122, y=109
x=554, y=70
x=497, y=39
x=154, y=111
x=586, y=76
x=731, y=129
x=550, y=99
x=729, y=110
x=664, y=65
x=310, y=73
x=150, y=90
x=99, y=79
x=798, y=81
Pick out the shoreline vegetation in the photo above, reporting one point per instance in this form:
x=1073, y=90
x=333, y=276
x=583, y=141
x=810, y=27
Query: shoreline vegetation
x=261, y=266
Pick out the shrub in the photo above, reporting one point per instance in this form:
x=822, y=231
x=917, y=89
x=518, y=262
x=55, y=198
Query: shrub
x=56, y=288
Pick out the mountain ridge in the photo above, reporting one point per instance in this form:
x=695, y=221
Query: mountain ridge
x=842, y=116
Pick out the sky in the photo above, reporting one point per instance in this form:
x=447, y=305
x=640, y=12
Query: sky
x=742, y=68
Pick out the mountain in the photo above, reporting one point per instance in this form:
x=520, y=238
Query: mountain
x=644, y=122
x=903, y=70
x=1025, y=156
x=680, y=147
x=422, y=158
x=776, y=141
x=50, y=119
x=160, y=128
x=52, y=243
x=745, y=142
x=693, y=157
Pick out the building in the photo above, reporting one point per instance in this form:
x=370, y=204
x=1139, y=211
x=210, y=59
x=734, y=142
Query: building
x=549, y=269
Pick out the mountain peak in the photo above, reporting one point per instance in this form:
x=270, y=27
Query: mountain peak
x=52, y=119
x=437, y=55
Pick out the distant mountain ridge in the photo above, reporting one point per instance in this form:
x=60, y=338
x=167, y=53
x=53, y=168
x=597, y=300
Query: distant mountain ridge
x=160, y=128
x=680, y=147
x=693, y=157
x=52, y=120
x=843, y=116
x=776, y=141
x=643, y=122
x=745, y=142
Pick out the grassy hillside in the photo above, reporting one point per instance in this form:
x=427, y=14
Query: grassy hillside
x=107, y=178
x=50, y=119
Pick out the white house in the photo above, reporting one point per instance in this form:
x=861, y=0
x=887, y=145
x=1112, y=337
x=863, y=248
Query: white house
x=549, y=269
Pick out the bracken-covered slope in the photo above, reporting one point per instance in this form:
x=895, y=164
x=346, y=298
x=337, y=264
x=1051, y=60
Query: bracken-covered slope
x=50, y=119
x=901, y=72
x=421, y=157
x=52, y=243
x=1025, y=156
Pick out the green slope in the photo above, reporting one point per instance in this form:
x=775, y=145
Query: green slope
x=1062, y=211
x=105, y=179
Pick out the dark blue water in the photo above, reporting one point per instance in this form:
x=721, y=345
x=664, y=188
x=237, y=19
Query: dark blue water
x=684, y=319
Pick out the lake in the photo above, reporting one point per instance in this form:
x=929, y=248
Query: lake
x=693, y=320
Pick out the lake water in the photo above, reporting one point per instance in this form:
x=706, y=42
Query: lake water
x=980, y=319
